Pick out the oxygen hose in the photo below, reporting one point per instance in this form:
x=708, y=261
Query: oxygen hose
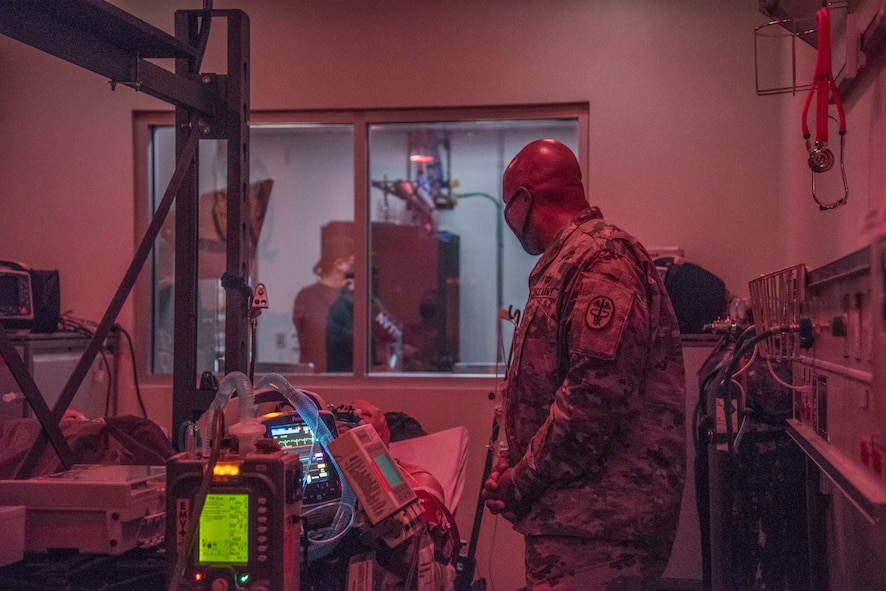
x=307, y=410
x=233, y=382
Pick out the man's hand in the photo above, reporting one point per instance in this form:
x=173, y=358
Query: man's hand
x=502, y=497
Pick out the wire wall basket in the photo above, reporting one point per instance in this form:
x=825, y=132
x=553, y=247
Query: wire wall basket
x=777, y=300
x=772, y=42
x=778, y=57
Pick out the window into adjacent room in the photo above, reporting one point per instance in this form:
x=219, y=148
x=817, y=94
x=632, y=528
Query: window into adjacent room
x=378, y=235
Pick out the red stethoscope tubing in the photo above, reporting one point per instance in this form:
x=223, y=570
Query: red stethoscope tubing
x=823, y=86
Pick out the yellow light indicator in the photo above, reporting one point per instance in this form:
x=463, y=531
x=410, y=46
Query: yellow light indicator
x=226, y=469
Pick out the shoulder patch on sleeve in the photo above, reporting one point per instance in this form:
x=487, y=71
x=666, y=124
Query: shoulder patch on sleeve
x=600, y=315
x=600, y=312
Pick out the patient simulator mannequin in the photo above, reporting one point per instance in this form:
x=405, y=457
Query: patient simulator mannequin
x=440, y=532
x=398, y=564
x=123, y=440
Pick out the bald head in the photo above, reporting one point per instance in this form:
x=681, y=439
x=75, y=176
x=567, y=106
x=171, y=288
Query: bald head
x=550, y=170
x=544, y=183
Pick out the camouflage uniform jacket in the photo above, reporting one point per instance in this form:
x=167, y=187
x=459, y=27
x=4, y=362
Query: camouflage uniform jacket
x=594, y=396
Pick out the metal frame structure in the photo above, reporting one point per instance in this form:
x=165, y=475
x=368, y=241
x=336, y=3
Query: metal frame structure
x=106, y=40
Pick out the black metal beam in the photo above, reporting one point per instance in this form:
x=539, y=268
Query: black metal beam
x=238, y=237
x=184, y=376
x=41, y=410
x=232, y=125
x=108, y=41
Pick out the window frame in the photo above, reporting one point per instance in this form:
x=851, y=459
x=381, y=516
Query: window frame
x=362, y=121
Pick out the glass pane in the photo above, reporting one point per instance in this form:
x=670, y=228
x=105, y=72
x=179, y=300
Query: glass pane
x=301, y=179
x=162, y=165
x=300, y=263
x=442, y=264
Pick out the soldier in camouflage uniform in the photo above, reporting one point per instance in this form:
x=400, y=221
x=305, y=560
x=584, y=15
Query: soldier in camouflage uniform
x=594, y=395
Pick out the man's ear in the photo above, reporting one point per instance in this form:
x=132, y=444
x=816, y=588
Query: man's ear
x=522, y=190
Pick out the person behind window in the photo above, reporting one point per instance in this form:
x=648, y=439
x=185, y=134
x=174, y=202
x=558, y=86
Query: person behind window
x=594, y=397
x=312, y=303
x=386, y=336
x=339, y=327
x=426, y=347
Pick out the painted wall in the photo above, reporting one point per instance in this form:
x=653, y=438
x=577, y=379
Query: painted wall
x=683, y=152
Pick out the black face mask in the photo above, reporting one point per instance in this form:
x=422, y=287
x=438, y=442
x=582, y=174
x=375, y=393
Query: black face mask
x=517, y=212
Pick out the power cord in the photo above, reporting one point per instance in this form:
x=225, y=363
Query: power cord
x=743, y=346
x=181, y=561
x=85, y=327
x=138, y=392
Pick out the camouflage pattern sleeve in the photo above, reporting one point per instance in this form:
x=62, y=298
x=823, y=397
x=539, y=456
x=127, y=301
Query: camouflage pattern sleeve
x=603, y=339
x=594, y=397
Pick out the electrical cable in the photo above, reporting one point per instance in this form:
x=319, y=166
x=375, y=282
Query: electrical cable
x=745, y=367
x=491, y=550
x=182, y=432
x=138, y=392
x=701, y=404
x=416, y=541
x=725, y=387
x=253, y=350
x=181, y=562
x=725, y=384
x=747, y=333
x=741, y=392
x=742, y=428
x=782, y=382
x=700, y=440
x=81, y=326
x=109, y=390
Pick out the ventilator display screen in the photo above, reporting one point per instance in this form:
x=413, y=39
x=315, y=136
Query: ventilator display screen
x=298, y=438
x=223, y=532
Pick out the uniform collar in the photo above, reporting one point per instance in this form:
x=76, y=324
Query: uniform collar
x=553, y=249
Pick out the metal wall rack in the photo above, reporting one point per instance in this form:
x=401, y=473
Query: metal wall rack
x=859, y=30
x=106, y=40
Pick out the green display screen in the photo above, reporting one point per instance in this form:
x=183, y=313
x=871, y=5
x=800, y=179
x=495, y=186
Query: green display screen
x=223, y=533
x=388, y=470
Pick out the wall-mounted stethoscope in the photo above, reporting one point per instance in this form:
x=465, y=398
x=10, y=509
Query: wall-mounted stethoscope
x=821, y=158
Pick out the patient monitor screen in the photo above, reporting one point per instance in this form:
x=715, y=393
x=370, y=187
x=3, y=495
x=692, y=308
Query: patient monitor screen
x=223, y=532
